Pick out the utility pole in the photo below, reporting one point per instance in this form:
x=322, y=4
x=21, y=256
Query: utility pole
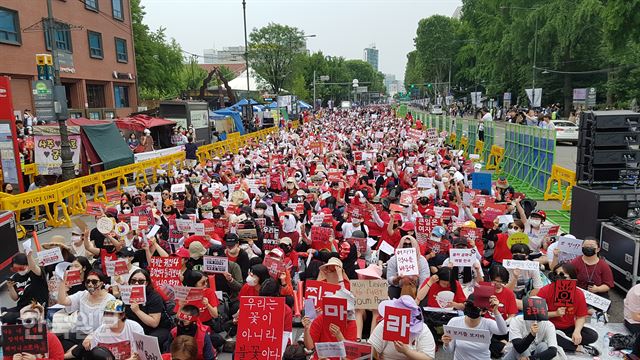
x=314, y=89
x=246, y=44
x=533, y=68
x=68, y=171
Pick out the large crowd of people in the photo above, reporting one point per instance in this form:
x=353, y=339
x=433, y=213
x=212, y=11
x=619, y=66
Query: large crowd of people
x=333, y=200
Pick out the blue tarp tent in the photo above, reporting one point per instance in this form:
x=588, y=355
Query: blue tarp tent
x=237, y=119
x=304, y=105
x=238, y=106
x=273, y=105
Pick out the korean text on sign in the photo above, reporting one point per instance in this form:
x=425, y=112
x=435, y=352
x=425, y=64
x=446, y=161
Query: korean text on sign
x=260, y=328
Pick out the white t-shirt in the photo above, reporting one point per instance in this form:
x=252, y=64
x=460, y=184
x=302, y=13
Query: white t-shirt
x=519, y=329
x=474, y=273
x=467, y=350
x=104, y=335
x=348, y=229
x=423, y=343
x=89, y=315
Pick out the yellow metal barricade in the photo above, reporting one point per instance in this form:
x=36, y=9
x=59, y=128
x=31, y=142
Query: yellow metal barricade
x=565, y=180
x=495, y=158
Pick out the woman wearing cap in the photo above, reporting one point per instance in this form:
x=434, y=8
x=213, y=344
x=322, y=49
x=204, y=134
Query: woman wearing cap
x=532, y=226
x=406, y=285
x=89, y=304
x=152, y=315
x=115, y=329
x=372, y=272
x=421, y=343
x=474, y=320
x=333, y=273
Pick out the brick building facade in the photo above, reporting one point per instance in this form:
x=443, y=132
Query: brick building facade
x=95, y=39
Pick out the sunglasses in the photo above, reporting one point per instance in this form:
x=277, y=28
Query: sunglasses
x=138, y=281
x=92, y=282
x=167, y=208
x=514, y=227
x=126, y=208
x=561, y=274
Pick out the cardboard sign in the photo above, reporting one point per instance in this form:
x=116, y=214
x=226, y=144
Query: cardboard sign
x=570, y=246
x=260, y=328
x=521, y=264
x=424, y=182
x=50, y=257
x=357, y=351
x=275, y=266
x=320, y=237
x=481, y=181
x=517, y=238
x=317, y=290
x=369, y=293
x=535, y=308
x=596, y=301
x=146, y=347
x=133, y=294
x=165, y=271
x=386, y=248
x=334, y=311
x=326, y=350
x=407, y=261
x=215, y=264
x=246, y=234
x=361, y=244
x=120, y=350
x=471, y=235
x=73, y=277
x=565, y=292
x=462, y=257
x=397, y=323
x=17, y=339
x=116, y=267
x=467, y=334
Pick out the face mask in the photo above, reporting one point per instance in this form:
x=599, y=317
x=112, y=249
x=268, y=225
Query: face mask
x=160, y=182
x=126, y=211
x=109, y=321
x=511, y=231
x=259, y=212
x=109, y=248
x=535, y=222
x=216, y=215
x=588, y=251
x=23, y=272
x=389, y=174
x=189, y=330
x=251, y=281
x=435, y=238
x=76, y=238
x=471, y=311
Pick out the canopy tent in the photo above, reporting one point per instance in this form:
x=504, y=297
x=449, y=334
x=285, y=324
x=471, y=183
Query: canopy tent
x=140, y=122
x=304, y=105
x=273, y=105
x=240, y=82
x=86, y=122
x=237, y=119
x=108, y=146
x=238, y=106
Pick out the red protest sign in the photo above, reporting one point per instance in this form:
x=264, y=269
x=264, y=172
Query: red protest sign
x=471, y=235
x=361, y=244
x=260, y=328
x=396, y=324
x=565, y=291
x=334, y=311
x=480, y=201
x=144, y=212
x=73, y=277
x=321, y=237
x=94, y=208
x=356, y=210
x=317, y=290
x=493, y=211
x=138, y=294
x=396, y=208
x=424, y=227
x=17, y=339
x=357, y=351
x=165, y=271
x=275, y=266
x=408, y=197
x=120, y=350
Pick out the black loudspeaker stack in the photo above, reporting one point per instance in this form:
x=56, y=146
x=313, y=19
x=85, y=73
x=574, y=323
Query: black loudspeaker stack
x=608, y=151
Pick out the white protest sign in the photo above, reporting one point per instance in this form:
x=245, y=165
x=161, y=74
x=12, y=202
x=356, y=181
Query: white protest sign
x=135, y=222
x=153, y=231
x=468, y=334
x=50, y=256
x=215, y=264
x=505, y=219
x=596, y=301
x=146, y=347
x=133, y=293
x=131, y=190
x=317, y=219
x=331, y=350
x=197, y=228
x=474, y=156
x=407, y=260
x=184, y=225
x=521, y=264
x=462, y=257
x=439, y=211
x=178, y=188
x=570, y=246
x=386, y=248
x=424, y=182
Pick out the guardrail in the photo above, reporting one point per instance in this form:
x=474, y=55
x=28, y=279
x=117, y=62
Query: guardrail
x=63, y=200
x=565, y=180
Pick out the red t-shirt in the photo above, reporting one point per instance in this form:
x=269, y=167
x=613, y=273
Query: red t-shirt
x=508, y=299
x=392, y=240
x=318, y=333
x=248, y=290
x=502, y=251
x=579, y=308
x=374, y=229
x=435, y=289
x=597, y=274
x=106, y=256
x=205, y=315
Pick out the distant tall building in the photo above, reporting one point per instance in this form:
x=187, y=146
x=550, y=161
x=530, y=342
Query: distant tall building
x=371, y=56
x=390, y=83
x=228, y=55
x=457, y=13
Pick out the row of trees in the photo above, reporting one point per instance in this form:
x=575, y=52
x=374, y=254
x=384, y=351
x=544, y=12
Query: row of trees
x=278, y=54
x=580, y=43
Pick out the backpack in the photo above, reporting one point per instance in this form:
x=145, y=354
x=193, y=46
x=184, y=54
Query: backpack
x=622, y=341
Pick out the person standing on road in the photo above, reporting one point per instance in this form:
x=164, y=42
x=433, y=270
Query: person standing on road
x=486, y=116
x=190, y=149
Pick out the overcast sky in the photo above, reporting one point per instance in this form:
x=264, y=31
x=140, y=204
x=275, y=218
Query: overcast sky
x=342, y=27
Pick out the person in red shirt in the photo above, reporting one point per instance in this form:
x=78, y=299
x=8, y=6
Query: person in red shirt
x=34, y=314
x=258, y=274
x=508, y=307
x=188, y=324
x=208, y=305
x=569, y=320
x=502, y=251
x=429, y=290
x=593, y=273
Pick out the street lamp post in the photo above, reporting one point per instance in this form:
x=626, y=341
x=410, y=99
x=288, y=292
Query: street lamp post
x=246, y=43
